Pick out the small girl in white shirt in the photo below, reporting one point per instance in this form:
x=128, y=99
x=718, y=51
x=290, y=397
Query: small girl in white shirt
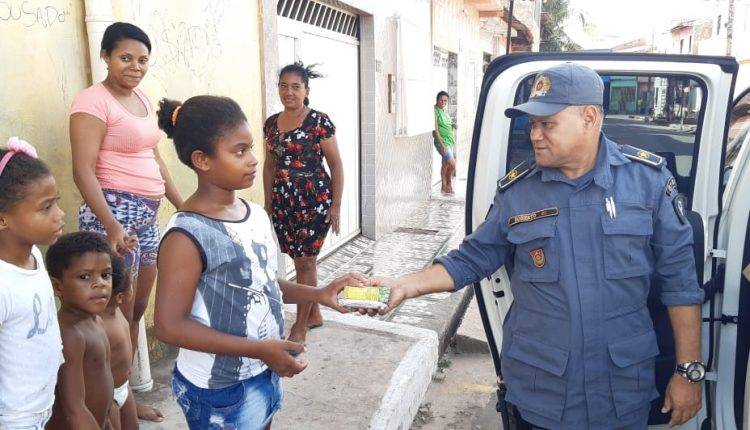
x=30, y=345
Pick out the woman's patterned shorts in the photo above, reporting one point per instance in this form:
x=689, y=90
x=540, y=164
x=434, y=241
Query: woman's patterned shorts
x=138, y=216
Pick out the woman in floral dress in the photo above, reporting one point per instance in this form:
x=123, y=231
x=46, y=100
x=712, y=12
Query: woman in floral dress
x=303, y=200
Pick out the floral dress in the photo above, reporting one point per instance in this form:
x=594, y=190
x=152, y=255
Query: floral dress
x=301, y=192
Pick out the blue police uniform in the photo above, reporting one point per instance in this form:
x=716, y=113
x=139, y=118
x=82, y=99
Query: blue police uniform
x=578, y=344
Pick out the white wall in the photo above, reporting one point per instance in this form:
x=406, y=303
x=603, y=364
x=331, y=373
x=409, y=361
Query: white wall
x=457, y=28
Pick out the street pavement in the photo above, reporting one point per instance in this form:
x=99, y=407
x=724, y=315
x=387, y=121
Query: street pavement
x=361, y=373
x=652, y=137
x=368, y=372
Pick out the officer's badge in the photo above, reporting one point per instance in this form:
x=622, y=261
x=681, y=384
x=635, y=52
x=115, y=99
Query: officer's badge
x=642, y=156
x=680, y=203
x=514, y=175
x=537, y=256
x=542, y=85
x=671, y=187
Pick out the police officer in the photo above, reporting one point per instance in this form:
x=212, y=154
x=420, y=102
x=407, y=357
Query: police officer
x=583, y=228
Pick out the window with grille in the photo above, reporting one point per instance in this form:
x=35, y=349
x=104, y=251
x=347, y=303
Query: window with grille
x=320, y=15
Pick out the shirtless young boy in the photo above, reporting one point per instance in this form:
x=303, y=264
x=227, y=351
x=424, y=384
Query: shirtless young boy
x=80, y=268
x=123, y=414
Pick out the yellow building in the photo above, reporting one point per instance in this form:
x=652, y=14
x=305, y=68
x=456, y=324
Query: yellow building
x=199, y=47
x=51, y=51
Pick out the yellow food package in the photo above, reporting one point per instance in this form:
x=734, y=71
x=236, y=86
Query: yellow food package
x=365, y=297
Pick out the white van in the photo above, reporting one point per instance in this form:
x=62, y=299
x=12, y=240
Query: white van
x=680, y=107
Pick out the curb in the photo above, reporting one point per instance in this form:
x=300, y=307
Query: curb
x=458, y=312
x=449, y=310
x=454, y=322
x=409, y=382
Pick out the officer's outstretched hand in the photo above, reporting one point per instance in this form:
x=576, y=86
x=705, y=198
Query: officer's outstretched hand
x=683, y=398
x=399, y=292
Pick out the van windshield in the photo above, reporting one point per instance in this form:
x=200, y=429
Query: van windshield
x=660, y=114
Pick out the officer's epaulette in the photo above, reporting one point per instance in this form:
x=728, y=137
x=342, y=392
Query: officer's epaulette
x=642, y=156
x=514, y=175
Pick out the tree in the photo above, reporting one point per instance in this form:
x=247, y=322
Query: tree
x=553, y=38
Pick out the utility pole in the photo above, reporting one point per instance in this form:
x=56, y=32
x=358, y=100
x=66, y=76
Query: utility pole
x=730, y=27
x=510, y=29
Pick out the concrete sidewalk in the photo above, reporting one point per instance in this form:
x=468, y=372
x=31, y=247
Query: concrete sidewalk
x=365, y=372
x=362, y=373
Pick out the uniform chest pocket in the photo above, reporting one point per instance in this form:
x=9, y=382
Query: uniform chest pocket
x=536, y=250
x=627, y=252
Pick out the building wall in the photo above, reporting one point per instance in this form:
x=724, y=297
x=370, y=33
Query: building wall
x=456, y=28
x=396, y=169
x=202, y=47
x=395, y=152
x=45, y=63
x=681, y=39
x=198, y=48
x=716, y=43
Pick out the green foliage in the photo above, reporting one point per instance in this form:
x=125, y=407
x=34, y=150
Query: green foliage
x=553, y=38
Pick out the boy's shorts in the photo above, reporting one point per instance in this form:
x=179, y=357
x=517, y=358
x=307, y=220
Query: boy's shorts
x=121, y=394
x=250, y=404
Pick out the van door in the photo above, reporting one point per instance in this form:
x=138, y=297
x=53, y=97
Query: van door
x=731, y=307
x=676, y=106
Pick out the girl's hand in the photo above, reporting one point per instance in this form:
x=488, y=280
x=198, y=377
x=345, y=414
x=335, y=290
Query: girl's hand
x=119, y=240
x=329, y=296
x=277, y=354
x=333, y=216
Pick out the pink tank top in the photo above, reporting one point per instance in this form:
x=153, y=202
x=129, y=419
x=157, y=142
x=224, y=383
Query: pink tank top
x=126, y=161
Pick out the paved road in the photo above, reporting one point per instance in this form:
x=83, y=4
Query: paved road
x=654, y=138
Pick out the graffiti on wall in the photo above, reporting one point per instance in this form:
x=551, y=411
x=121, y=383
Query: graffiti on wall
x=182, y=45
x=32, y=14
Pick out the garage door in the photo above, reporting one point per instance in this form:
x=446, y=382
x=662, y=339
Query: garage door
x=315, y=32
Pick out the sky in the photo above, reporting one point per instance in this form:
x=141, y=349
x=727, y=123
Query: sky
x=613, y=22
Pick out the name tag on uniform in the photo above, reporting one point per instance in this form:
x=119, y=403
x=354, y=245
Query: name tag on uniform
x=544, y=213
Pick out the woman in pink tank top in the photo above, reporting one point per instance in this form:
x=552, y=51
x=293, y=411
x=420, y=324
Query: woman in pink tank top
x=117, y=167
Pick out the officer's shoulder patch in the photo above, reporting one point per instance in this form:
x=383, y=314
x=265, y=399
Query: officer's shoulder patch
x=680, y=203
x=671, y=186
x=642, y=156
x=514, y=175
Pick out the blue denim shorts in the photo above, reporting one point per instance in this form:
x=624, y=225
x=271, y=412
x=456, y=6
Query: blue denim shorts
x=250, y=404
x=447, y=153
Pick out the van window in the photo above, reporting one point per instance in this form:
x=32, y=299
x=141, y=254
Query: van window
x=660, y=114
x=739, y=126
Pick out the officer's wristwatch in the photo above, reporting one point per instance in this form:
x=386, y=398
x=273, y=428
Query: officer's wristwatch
x=693, y=371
